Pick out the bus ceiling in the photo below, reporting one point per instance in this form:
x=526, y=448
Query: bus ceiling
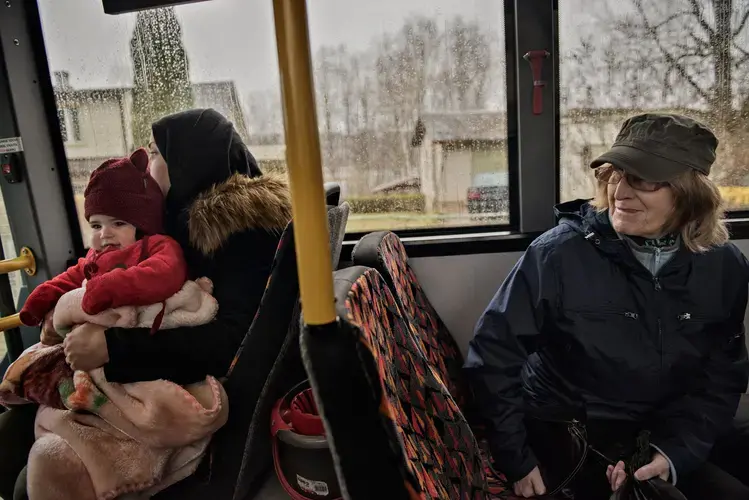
x=115, y=7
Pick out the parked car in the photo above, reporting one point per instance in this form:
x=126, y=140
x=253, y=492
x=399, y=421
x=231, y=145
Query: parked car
x=494, y=200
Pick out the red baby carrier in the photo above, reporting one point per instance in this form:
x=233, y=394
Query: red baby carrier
x=301, y=454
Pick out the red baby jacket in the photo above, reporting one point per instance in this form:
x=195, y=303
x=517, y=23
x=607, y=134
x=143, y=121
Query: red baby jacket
x=147, y=272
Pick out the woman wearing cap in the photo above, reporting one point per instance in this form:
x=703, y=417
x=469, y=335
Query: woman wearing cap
x=629, y=315
x=228, y=218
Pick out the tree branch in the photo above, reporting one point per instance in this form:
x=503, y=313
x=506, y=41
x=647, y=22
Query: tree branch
x=697, y=13
x=682, y=72
x=744, y=58
x=741, y=25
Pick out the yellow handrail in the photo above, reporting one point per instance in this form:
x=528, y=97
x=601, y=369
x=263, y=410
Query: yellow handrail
x=10, y=322
x=304, y=162
x=25, y=261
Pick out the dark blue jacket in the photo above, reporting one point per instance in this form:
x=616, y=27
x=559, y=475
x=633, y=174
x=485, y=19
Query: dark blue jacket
x=580, y=324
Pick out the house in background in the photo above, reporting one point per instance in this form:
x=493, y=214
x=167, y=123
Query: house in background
x=96, y=124
x=457, y=151
x=467, y=151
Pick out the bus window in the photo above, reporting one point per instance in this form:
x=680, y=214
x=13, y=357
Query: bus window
x=411, y=100
x=411, y=95
x=622, y=58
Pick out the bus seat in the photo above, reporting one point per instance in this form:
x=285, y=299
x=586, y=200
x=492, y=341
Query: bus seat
x=269, y=334
x=286, y=372
x=332, y=193
x=385, y=252
x=395, y=431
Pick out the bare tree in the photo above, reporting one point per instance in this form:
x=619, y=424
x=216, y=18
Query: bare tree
x=369, y=101
x=465, y=68
x=325, y=89
x=691, y=54
x=264, y=117
x=406, y=67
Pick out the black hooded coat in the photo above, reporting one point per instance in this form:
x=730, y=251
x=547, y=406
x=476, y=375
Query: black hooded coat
x=227, y=217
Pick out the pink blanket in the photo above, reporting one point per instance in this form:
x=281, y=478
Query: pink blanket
x=192, y=305
x=41, y=375
x=123, y=439
x=100, y=440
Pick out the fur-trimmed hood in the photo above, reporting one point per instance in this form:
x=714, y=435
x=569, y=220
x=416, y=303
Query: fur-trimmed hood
x=238, y=204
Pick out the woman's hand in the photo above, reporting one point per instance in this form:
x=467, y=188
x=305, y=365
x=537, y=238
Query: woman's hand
x=86, y=347
x=616, y=475
x=531, y=485
x=658, y=467
x=49, y=336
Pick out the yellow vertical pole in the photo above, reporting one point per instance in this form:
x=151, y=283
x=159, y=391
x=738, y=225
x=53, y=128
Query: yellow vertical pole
x=304, y=162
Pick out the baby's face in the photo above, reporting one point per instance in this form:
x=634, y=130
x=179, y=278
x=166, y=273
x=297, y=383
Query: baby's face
x=110, y=232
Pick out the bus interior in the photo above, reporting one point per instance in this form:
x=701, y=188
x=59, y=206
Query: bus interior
x=448, y=128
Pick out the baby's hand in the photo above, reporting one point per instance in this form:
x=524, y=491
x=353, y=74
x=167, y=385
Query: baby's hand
x=49, y=336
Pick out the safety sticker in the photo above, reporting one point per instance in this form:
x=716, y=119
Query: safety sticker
x=11, y=145
x=316, y=487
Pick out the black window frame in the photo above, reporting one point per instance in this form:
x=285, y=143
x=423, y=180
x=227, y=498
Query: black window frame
x=29, y=111
x=514, y=110
x=533, y=143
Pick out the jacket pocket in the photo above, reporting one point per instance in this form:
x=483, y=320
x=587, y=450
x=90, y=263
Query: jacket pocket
x=699, y=333
x=604, y=312
x=686, y=318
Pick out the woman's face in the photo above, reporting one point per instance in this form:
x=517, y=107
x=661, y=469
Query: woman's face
x=638, y=207
x=157, y=168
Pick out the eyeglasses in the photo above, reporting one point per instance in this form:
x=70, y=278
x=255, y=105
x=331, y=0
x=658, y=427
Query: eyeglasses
x=614, y=175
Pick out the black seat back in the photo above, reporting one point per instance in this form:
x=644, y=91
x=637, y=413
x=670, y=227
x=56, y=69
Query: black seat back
x=395, y=431
x=285, y=371
x=262, y=369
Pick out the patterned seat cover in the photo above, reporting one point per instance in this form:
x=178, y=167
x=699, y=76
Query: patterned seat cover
x=395, y=430
x=385, y=252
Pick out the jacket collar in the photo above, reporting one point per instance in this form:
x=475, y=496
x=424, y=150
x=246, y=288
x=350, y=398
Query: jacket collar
x=236, y=205
x=596, y=228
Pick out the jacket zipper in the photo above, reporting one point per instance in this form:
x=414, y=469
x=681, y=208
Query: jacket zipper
x=695, y=318
x=626, y=314
x=658, y=288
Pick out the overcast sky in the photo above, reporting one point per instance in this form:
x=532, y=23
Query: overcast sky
x=234, y=39
x=227, y=39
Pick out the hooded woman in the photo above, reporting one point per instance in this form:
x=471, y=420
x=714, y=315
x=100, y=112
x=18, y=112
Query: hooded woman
x=228, y=218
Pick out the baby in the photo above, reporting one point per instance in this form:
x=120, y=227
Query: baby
x=133, y=276
x=130, y=263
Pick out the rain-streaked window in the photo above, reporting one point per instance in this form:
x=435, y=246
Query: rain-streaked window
x=621, y=57
x=411, y=95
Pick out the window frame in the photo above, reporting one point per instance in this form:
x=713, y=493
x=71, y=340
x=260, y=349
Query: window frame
x=533, y=172
x=40, y=207
x=515, y=108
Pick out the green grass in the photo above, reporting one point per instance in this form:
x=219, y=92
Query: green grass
x=407, y=220
x=378, y=222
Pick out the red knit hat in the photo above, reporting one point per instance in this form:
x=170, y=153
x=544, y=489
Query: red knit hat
x=122, y=188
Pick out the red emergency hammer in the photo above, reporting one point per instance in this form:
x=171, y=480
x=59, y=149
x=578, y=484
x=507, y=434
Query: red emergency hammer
x=536, y=60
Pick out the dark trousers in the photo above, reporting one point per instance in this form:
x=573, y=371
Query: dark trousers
x=725, y=476
x=16, y=438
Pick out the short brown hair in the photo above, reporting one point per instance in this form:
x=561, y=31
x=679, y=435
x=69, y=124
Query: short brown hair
x=698, y=211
